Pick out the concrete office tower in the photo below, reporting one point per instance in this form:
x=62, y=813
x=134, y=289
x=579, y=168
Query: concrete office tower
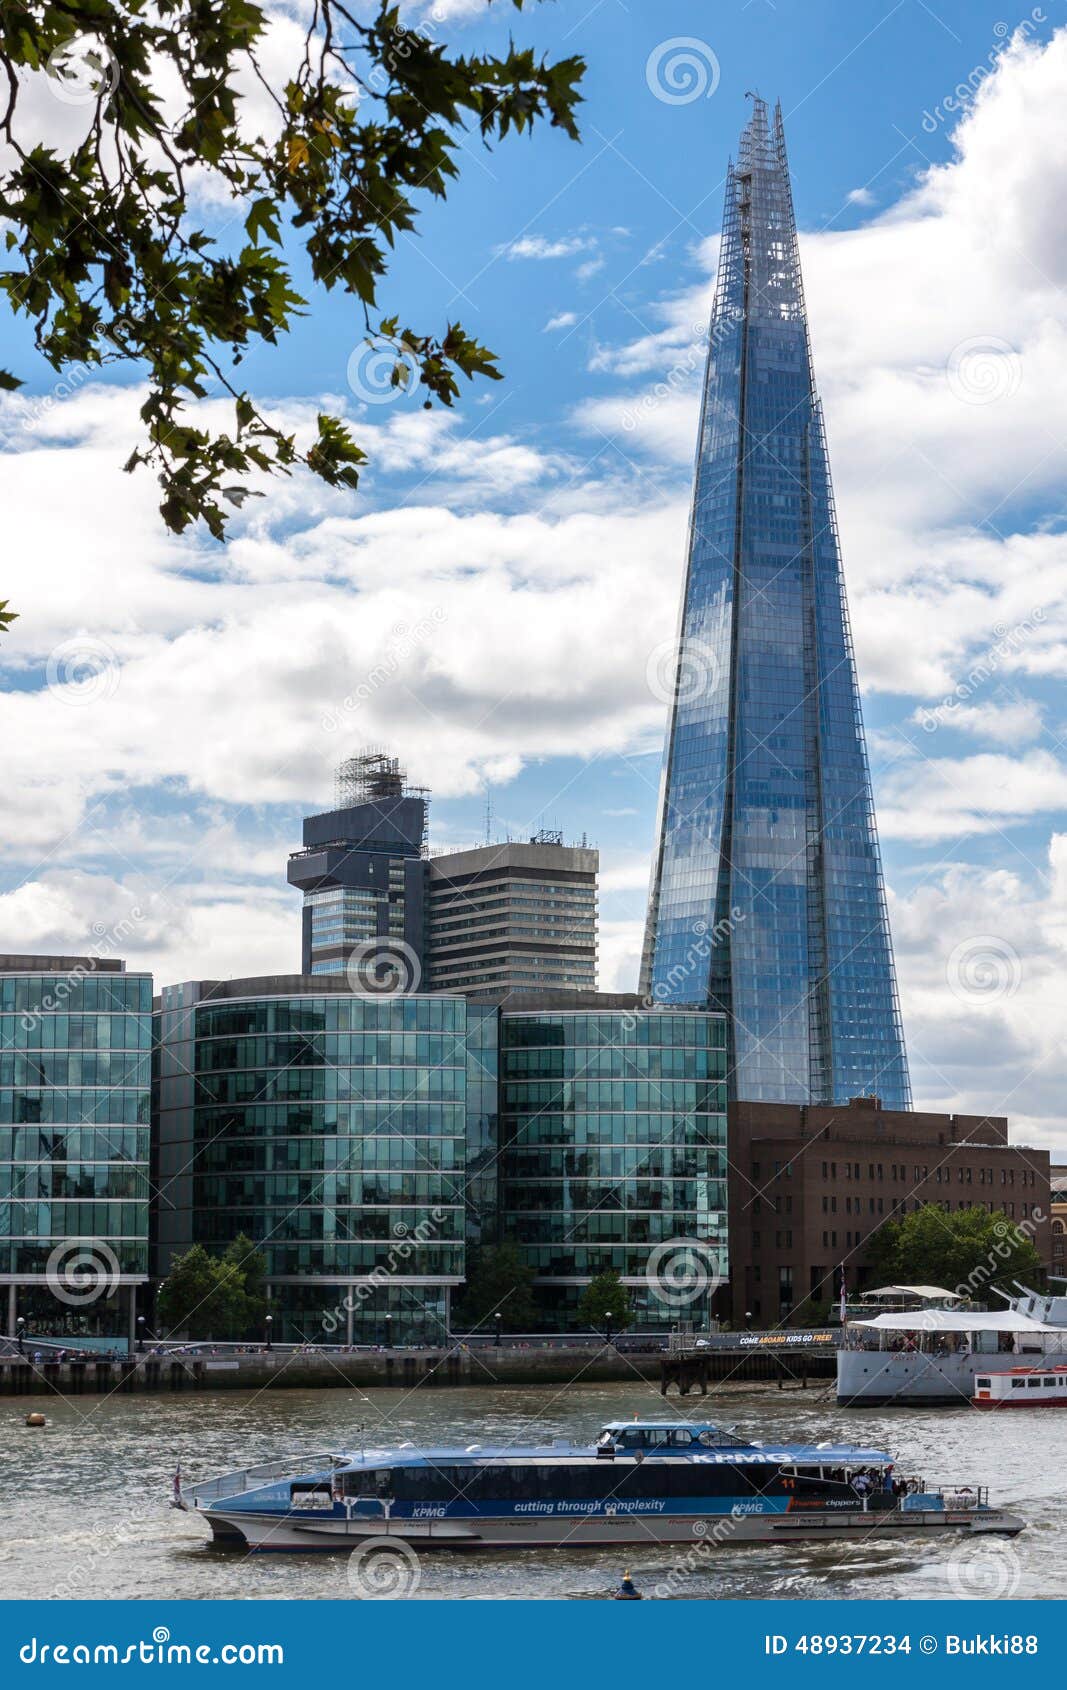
x=513, y=917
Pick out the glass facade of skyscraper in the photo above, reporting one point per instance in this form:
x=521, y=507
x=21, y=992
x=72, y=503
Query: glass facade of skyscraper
x=767, y=898
x=613, y=1156
x=75, y=1078
x=330, y=1128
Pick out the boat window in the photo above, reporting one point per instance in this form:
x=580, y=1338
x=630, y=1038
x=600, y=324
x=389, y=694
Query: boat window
x=1050, y=1382
x=1033, y=1384
x=982, y=1384
x=367, y=1481
x=303, y=1496
x=1018, y=1384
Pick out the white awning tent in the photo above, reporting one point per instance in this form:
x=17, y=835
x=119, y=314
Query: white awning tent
x=955, y=1320
x=925, y=1293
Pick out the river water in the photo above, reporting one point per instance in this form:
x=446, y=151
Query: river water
x=84, y=1503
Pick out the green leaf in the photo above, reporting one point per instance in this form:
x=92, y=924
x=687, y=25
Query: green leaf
x=110, y=261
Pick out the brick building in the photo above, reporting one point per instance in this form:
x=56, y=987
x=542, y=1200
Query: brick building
x=1058, y=1210
x=808, y=1185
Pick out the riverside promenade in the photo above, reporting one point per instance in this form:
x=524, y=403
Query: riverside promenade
x=739, y=1357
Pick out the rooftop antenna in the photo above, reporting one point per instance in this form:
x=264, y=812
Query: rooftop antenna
x=488, y=813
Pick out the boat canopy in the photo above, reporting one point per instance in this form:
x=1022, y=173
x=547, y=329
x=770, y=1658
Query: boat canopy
x=924, y=1293
x=956, y=1320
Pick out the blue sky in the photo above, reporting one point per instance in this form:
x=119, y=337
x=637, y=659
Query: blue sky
x=494, y=602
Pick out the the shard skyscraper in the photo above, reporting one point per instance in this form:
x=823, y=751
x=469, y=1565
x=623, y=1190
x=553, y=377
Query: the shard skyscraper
x=767, y=898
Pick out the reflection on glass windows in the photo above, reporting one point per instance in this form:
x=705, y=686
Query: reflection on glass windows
x=767, y=898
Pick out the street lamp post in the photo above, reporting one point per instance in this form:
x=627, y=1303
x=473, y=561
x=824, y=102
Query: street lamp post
x=748, y=1320
x=269, y=1324
x=140, y=1334
x=496, y=1337
x=20, y=1333
x=607, y=1322
x=388, y=1331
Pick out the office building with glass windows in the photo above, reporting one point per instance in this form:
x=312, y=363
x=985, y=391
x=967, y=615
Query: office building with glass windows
x=330, y=1128
x=75, y=1094
x=516, y=916
x=363, y=877
x=766, y=898
x=612, y=1138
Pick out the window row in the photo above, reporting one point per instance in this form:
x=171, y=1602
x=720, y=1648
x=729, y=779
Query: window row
x=384, y=1050
x=271, y=1085
x=76, y=1032
x=83, y=1068
x=343, y=1013
x=75, y=1108
x=48, y=994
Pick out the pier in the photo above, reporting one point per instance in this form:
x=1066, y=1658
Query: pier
x=789, y=1360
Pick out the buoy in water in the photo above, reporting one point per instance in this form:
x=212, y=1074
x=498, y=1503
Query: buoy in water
x=35, y=1420
x=627, y=1591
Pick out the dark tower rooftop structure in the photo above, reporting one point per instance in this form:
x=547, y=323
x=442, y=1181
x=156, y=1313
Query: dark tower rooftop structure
x=767, y=898
x=362, y=873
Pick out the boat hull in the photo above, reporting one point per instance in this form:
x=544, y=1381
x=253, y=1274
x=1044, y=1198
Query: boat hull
x=264, y=1532
x=877, y=1378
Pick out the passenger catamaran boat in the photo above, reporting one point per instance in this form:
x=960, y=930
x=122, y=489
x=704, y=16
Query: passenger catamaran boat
x=659, y=1481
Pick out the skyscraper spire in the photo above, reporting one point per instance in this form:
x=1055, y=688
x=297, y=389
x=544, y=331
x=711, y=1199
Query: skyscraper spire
x=767, y=898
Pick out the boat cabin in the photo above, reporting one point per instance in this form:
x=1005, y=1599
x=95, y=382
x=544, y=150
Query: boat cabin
x=664, y=1437
x=1022, y=1387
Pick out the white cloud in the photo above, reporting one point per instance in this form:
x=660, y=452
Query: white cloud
x=981, y=955
x=860, y=196
x=1016, y=722
x=932, y=798
x=186, y=931
x=244, y=673
x=540, y=246
x=564, y=320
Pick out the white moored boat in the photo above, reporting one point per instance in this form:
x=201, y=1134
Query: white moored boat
x=658, y=1481
x=932, y=1355
x=1022, y=1387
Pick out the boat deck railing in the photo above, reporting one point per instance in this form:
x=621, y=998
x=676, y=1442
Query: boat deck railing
x=250, y=1478
x=956, y=1497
